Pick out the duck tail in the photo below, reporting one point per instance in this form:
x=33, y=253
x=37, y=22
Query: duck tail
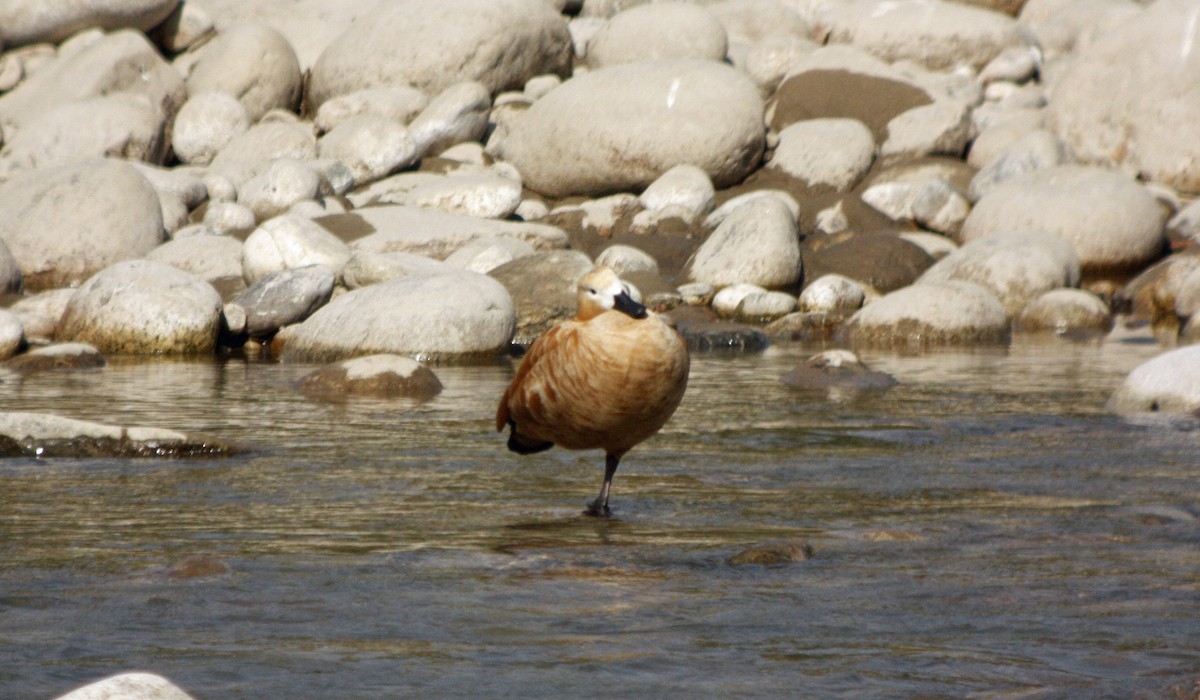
x=524, y=445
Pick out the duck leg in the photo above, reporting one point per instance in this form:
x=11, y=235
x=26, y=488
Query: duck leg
x=599, y=507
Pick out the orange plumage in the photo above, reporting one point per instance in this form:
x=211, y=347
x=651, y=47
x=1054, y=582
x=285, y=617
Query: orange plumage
x=608, y=379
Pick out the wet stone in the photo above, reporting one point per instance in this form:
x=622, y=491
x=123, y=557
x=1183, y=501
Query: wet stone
x=805, y=326
x=723, y=336
x=773, y=554
x=197, y=566
x=384, y=376
x=837, y=368
x=43, y=435
x=58, y=356
x=285, y=297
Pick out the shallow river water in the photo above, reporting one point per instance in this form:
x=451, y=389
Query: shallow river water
x=984, y=529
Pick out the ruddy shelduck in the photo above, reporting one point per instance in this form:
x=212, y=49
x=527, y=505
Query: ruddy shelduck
x=608, y=379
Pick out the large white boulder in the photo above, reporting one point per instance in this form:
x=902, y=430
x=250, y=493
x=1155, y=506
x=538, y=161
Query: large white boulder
x=441, y=317
x=432, y=44
x=1130, y=98
x=620, y=128
x=1114, y=224
x=142, y=307
x=65, y=223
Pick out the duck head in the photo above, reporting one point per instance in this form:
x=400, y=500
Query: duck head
x=601, y=290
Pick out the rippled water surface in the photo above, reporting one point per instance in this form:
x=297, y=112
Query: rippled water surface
x=984, y=529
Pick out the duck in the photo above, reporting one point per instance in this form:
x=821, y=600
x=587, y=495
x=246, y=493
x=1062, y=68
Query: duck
x=608, y=379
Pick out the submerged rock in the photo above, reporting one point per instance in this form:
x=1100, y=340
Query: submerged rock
x=25, y=434
x=774, y=553
x=58, y=356
x=197, y=566
x=385, y=376
x=837, y=369
x=722, y=336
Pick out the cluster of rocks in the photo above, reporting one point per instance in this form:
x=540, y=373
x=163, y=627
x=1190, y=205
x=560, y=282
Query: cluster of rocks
x=426, y=179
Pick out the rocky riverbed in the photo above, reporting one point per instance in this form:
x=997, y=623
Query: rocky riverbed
x=424, y=180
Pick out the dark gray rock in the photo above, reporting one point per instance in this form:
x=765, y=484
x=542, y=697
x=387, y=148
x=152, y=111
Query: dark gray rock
x=285, y=297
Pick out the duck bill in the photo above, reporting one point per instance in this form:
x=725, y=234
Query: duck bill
x=626, y=305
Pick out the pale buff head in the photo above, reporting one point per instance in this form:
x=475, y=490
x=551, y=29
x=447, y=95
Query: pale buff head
x=602, y=290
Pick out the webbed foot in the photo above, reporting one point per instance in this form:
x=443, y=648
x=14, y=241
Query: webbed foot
x=596, y=509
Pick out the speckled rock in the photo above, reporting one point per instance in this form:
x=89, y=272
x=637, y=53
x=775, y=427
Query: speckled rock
x=227, y=217
x=485, y=196
x=928, y=314
x=384, y=376
x=245, y=154
x=1169, y=383
x=453, y=317
x=1036, y=150
x=1065, y=311
x=616, y=129
x=430, y=45
x=143, y=307
x=46, y=210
